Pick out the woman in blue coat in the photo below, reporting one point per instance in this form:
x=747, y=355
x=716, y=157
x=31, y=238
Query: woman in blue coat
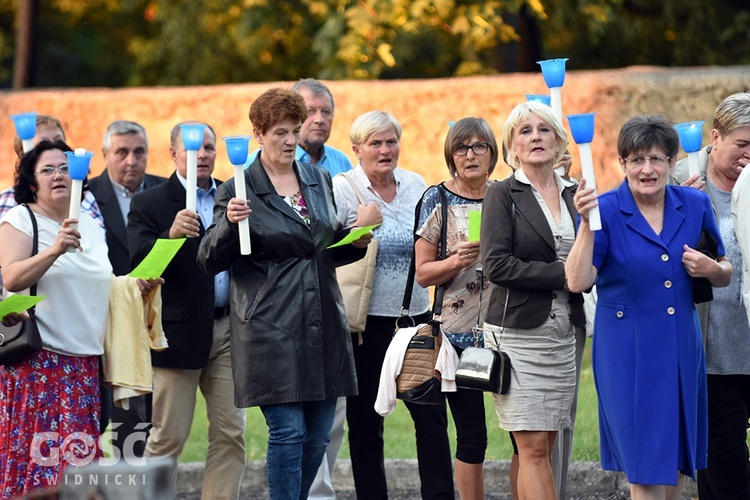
x=649, y=365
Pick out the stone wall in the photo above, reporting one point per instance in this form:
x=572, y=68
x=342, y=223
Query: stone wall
x=423, y=106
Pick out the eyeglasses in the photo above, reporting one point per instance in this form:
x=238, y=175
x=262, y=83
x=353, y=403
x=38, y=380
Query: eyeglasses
x=49, y=171
x=480, y=148
x=655, y=160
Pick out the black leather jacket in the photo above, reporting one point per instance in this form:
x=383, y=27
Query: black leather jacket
x=289, y=332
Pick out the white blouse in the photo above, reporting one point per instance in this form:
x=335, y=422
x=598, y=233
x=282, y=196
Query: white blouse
x=73, y=316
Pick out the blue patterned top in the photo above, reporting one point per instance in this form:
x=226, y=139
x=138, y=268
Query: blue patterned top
x=395, y=237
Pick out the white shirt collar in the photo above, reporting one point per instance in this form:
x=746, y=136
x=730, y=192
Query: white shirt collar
x=183, y=181
x=521, y=177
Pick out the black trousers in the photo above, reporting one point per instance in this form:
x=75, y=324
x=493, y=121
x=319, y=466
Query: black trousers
x=366, y=426
x=467, y=409
x=728, y=473
x=131, y=427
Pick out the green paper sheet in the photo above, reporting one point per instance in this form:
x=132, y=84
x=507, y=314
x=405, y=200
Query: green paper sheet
x=354, y=235
x=158, y=258
x=475, y=224
x=19, y=303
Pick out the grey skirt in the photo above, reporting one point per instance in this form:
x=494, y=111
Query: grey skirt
x=543, y=374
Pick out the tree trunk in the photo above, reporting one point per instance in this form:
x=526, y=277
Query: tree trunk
x=23, y=66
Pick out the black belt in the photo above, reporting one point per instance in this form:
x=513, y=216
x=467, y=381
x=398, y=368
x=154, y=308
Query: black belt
x=220, y=312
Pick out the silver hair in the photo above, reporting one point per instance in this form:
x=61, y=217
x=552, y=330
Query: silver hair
x=317, y=88
x=122, y=127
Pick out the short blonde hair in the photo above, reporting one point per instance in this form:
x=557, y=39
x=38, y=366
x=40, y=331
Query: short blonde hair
x=519, y=114
x=371, y=123
x=733, y=113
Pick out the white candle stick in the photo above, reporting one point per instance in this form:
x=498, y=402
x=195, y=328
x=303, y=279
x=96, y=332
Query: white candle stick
x=694, y=163
x=587, y=169
x=555, y=95
x=192, y=180
x=28, y=145
x=243, y=225
x=76, y=188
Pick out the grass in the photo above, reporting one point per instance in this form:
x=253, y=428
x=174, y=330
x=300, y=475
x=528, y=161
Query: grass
x=399, y=430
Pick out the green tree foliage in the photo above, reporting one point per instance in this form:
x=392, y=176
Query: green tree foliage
x=186, y=42
x=225, y=41
x=77, y=43
x=616, y=33
x=7, y=44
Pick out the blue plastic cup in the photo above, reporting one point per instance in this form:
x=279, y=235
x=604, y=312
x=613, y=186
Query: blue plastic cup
x=78, y=164
x=582, y=127
x=237, y=148
x=543, y=98
x=553, y=71
x=691, y=135
x=192, y=136
x=25, y=125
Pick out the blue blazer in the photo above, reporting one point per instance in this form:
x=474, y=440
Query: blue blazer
x=648, y=357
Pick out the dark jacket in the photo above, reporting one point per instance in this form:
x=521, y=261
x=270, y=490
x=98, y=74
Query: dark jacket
x=518, y=253
x=117, y=236
x=289, y=331
x=187, y=293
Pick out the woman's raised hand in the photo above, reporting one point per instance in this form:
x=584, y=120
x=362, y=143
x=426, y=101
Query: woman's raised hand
x=148, y=286
x=467, y=253
x=363, y=240
x=368, y=215
x=67, y=237
x=585, y=200
x=237, y=210
x=12, y=319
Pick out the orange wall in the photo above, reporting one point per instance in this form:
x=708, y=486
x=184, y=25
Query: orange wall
x=423, y=106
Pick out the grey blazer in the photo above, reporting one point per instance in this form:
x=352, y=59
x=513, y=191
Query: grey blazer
x=518, y=254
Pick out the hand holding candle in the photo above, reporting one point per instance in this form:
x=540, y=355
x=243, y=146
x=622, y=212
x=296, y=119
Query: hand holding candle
x=26, y=129
x=192, y=139
x=237, y=148
x=582, y=128
x=553, y=71
x=691, y=134
x=78, y=168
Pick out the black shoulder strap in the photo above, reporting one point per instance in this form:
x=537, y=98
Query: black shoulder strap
x=437, y=305
x=35, y=245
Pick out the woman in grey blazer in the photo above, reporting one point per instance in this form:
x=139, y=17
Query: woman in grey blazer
x=528, y=228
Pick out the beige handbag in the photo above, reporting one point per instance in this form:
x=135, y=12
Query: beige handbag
x=355, y=280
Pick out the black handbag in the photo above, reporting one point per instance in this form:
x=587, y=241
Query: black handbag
x=419, y=382
x=702, y=289
x=22, y=340
x=482, y=368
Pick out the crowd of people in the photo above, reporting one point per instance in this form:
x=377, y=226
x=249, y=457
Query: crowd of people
x=270, y=330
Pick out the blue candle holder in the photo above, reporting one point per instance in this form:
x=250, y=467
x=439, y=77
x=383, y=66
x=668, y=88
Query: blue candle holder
x=543, y=98
x=450, y=124
x=582, y=127
x=237, y=148
x=78, y=164
x=691, y=135
x=192, y=135
x=553, y=71
x=25, y=125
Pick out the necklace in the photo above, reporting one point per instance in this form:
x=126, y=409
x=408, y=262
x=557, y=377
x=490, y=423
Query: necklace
x=48, y=214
